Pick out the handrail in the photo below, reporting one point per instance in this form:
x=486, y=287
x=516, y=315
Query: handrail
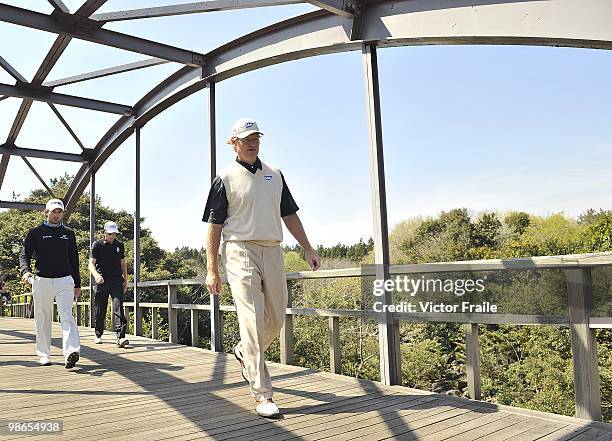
x=568, y=261
x=580, y=318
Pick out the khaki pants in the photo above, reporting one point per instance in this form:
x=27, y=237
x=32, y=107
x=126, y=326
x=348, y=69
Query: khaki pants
x=256, y=275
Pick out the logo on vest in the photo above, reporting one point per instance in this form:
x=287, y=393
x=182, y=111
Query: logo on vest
x=268, y=177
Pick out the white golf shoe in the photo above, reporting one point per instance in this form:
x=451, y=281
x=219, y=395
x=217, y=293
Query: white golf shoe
x=266, y=408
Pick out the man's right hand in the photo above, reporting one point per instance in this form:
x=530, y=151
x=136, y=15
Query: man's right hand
x=25, y=277
x=213, y=282
x=99, y=279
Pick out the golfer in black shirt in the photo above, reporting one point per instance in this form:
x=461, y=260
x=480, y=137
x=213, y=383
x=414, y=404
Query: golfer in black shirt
x=57, y=277
x=107, y=266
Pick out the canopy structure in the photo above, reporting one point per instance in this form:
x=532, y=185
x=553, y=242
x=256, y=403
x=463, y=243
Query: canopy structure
x=338, y=26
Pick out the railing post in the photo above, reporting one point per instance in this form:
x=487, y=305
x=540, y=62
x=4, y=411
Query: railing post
x=195, y=334
x=334, y=345
x=172, y=315
x=473, y=361
x=286, y=334
x=78, y=313
x=216, y=327
x=126, y=314
x=584, y=344
x=154, y=328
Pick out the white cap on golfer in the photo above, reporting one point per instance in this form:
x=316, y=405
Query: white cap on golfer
x=52, y=204
x=243, y=128
x=111, y=227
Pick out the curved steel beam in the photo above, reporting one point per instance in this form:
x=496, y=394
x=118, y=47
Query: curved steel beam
x=405, y=22
x=188, y=8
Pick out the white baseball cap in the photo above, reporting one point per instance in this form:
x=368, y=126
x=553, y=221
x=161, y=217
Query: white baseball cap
x=243, y=128
x=111, y=227
x=52, y=204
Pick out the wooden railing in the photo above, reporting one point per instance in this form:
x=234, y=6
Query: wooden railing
x=580, y=318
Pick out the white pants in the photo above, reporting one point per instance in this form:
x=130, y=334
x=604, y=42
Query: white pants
x=44, y=290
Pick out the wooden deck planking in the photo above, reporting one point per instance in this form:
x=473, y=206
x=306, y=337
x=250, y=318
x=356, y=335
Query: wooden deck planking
x=157, y=390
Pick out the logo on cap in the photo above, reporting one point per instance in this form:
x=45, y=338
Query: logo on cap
x=52, y=204
x=249, y=124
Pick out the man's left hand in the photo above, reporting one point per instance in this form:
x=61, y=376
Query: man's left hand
x=77, y=292
x=313, y=259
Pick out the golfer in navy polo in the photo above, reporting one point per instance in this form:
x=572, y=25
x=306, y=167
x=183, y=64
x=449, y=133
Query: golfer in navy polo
x=54, y=247
x=107, y=266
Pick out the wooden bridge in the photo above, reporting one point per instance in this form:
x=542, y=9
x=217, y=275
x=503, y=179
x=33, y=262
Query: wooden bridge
x=159, y=390
x=163, y=390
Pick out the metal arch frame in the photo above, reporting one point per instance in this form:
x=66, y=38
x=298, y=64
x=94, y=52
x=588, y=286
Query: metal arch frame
x=385, y=23
x=400, y=23
x=408, y=22
x=90, y=30
x=53, y=55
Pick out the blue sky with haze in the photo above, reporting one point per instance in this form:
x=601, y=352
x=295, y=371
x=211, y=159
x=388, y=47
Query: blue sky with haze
x=482, y=127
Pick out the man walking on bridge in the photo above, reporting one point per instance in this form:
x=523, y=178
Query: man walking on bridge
x=246, y=203
x=57, y=277
x=107, y=266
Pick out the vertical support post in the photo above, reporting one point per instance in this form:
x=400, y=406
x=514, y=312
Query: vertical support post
x=584, y=344
x=172, y=314
x=78, y=313
x=195, y=334
x=212, y=130
x=216, y=336
x=92, y=239
x=334, y=345
x=216, y=327
x=28, y=308
x=388, y=328
x=473, y=361
x=137, y=310
x=126, y=313
x=286, y=333
x=154, y=328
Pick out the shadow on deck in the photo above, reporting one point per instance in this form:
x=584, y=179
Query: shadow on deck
x=157, y=390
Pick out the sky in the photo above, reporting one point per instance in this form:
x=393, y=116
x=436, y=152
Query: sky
x=481, y=127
